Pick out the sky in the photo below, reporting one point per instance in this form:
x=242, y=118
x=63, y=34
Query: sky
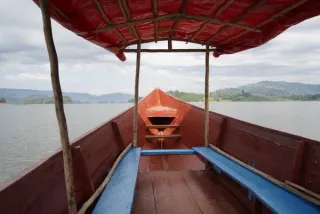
x=293, y=56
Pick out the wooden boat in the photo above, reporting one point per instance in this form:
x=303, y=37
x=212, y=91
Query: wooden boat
x=165, y=155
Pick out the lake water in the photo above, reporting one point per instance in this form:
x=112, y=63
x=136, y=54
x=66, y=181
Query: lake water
x=29, y=133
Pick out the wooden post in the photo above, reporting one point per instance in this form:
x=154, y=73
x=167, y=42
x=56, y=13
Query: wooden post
x=58, y=100
x=136, y=97
x=206, y=100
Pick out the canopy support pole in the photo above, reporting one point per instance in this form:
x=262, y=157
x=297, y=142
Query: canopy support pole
x=206, y=100
x=136, y=97
x=58, y=100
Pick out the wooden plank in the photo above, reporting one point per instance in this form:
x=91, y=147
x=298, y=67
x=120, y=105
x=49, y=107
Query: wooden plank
x=298, y=161
x=118, y=195
x=155, y=14
x=127, y=15
x=163, y=136
x=163, y=193
x=144, y=197
x=162, y=126
x=117, y=134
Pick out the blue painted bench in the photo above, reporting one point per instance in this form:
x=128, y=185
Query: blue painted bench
x=118, y=195
x=277, y=199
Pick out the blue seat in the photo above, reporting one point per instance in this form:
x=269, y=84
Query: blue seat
x=118, y=195
x=277, y=199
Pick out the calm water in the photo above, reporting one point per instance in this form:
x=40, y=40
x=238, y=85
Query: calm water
x=28, y=133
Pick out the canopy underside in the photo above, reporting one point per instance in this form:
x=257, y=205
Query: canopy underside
x=228, y=25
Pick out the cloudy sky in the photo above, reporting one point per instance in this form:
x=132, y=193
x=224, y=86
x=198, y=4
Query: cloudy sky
x=293, y=56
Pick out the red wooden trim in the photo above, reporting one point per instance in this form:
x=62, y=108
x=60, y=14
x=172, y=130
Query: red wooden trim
x=221, y=132
x=298, y=161
x=117, y=134
x=81, y=171
x=257, y=206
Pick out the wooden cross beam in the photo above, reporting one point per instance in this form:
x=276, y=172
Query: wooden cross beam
x=285, y=10
x=247, y=12
x=204, y=25
x=126, y=12
x=167, y=50
x=174, y=16
x=183, y=6
x=98, y=5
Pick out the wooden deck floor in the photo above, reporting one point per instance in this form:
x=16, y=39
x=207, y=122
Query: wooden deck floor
x=183, y=192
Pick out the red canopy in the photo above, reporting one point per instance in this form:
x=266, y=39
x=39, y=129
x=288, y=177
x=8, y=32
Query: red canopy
x=228, y=25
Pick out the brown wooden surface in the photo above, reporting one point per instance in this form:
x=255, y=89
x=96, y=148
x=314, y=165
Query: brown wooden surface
x=183, y=192
x=298, y=161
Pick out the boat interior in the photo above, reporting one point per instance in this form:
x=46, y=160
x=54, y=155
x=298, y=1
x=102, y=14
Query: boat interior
x=164, y=155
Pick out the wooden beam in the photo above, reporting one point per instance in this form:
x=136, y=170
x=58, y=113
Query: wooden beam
x=285, y=10
x=100, y=189
x=98, y=6
x=206, y=100
x=162, y=39
x=117, y=134
x=298, y=161
x=221, y=132
x=183, y=6
x=126, y=12
x=169, y=44
x=257, y=206
x=204, y=25
x=136, y=97
x=302, y=189
x=155, y=14
x=247, y=12
x=173, y=17
x=81, y=170
x=58, y=100
x=167, y=50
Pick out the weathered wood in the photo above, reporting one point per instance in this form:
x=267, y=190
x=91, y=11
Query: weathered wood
x=58, y=100
x=315, y=195
x=221, y=132
x=162, y=136
x=162, y=126
x=247, y=12
x=165, y=39
x=206, y=100
x=100, y=189
x=298, y=161
x=169, y=44
x=136, y=97
x=285, y=10
x=167, y=50
x=81, y=169
x=117, y=134
x=176, y=16
x=268, y=177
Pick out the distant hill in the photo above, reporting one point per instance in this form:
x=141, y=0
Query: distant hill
x=273, y=88
x=17, y=96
